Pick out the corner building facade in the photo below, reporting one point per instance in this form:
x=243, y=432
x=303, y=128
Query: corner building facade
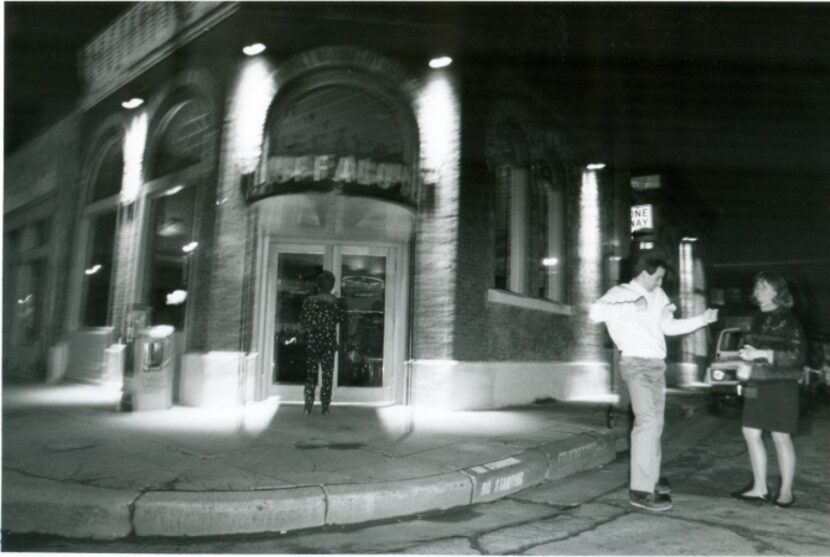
x=466, y=233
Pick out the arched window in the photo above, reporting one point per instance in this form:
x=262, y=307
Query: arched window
x=549, y=241
x=528, y=218
x=174, y=176
x=511, y=223
x=337, y=137
x=183, y=141
x=100, y=215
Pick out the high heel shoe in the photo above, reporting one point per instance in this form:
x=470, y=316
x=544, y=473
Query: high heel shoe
x=742, y=494
x=784, y=505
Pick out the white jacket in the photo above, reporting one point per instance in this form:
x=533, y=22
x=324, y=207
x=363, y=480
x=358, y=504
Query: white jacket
x=640, y=333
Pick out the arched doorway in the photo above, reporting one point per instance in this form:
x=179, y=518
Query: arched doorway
x=334, y=191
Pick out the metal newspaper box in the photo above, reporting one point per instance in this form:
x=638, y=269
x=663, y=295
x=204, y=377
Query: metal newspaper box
x=153, y=382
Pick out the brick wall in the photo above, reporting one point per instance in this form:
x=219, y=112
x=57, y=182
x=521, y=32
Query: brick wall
x=501, y=332
x=41, y=181
x=228, y=265
x=436, y=249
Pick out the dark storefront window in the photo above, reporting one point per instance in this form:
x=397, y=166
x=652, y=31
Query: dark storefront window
x=25, y=282
x=30, y=293
x=185, y=139
x=108, y=182
x=98, y=271
x=172, y=247
x=548, y=250
x=502, y=228
x=101, y=215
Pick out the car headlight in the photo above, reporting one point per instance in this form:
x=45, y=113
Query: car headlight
x=718, y=375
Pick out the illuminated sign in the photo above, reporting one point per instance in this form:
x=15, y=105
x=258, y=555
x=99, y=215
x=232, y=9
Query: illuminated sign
x=642, y=217
x=350, y=175
x=641, y=183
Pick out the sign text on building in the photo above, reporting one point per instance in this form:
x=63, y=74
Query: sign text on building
x=650, y=182
x=291, y=174
x=642, y=217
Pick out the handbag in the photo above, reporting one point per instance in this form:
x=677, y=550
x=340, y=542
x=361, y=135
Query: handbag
x=744, y=371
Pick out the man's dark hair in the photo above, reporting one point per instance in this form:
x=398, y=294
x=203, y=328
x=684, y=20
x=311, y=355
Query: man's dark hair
x=649, y=264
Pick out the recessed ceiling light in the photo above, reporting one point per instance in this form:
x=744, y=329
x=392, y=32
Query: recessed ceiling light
x=440, y=62
x=134, y=102
x=253, y=49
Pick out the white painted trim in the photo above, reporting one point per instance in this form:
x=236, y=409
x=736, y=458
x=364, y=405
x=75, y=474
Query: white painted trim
x=511, y=299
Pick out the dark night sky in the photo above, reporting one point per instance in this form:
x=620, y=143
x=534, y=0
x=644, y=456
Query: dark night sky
x=41, y=77
x=735, y=97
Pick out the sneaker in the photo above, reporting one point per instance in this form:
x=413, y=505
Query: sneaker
x=662, y=487
x=649, y=501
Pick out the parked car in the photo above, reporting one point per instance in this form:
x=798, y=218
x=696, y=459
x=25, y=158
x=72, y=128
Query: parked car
x=721, y=374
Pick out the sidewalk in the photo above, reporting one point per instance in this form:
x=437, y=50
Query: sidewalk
x=73, y=466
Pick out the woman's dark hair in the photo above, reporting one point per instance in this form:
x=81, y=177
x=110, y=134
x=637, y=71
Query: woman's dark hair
x=783, y=297
x=325, y=282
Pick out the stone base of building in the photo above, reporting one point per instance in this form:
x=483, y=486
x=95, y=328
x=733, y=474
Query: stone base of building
x=87, y=354
x=455, y=385
x=217, y=379
x=57, y=362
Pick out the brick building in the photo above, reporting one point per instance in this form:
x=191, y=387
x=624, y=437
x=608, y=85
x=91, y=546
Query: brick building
x=263, y=144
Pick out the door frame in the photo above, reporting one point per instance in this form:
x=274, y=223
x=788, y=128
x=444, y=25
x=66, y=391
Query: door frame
x=395, y=318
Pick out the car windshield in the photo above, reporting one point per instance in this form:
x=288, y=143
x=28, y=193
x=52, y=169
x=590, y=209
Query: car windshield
x=731, y=341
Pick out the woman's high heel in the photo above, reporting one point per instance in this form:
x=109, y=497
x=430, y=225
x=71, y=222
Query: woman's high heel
x=784, y=505
x=742, y=494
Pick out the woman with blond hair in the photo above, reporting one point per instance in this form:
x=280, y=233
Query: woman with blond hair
x=774, y=353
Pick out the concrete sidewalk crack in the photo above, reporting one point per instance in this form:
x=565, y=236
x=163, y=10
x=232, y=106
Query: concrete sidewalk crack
x=574, y=534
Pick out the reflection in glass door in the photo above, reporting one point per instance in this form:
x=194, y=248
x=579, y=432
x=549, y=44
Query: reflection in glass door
x=296, y=273
x=363, y=288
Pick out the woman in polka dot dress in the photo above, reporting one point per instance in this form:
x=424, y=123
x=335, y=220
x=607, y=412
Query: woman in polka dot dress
x=319, y=317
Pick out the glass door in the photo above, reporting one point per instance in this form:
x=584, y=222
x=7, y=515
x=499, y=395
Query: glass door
x=362, y=372
x=292, y=272
x=363, y=279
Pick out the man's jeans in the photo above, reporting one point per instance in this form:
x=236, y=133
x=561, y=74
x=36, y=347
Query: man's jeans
x=646, y=380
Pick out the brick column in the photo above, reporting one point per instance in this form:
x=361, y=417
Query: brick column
x=436, y=251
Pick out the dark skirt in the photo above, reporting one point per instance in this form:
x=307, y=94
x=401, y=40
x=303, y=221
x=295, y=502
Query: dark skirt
x=771, y=406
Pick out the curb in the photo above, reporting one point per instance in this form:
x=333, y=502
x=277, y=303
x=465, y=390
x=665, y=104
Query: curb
x=200, y=513
x=48, y=506
x=76, y=511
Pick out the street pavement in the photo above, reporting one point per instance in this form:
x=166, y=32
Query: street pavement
x=74, y=466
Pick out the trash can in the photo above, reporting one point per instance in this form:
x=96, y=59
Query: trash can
x=152, y=384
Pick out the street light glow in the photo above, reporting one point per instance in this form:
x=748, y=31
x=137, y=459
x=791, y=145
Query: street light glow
x=254, y=91
x=135, y=141
x=596, y=166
